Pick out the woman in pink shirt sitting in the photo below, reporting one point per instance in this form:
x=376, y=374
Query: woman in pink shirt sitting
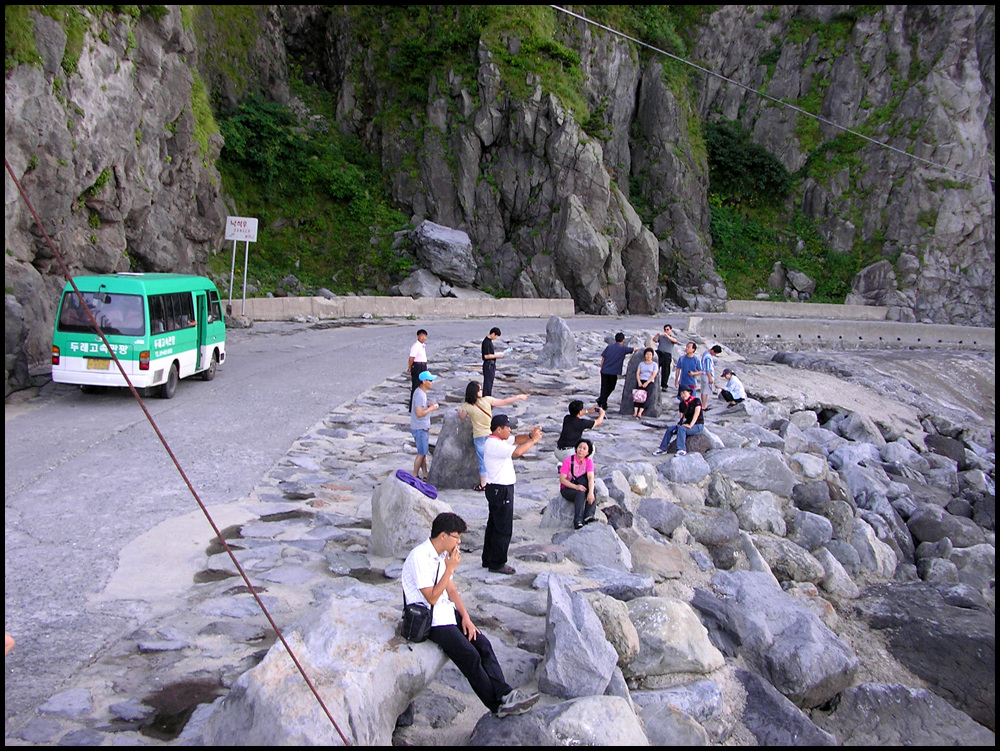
x=576, y=481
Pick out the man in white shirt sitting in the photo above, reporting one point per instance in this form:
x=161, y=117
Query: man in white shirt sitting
x=428, y=577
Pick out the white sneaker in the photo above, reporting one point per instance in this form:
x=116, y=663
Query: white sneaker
x=682, y=453
x=516, y=702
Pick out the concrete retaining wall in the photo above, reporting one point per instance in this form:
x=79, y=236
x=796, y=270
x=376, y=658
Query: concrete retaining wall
x=744, y=334
x=283, y=308
x=769, y=309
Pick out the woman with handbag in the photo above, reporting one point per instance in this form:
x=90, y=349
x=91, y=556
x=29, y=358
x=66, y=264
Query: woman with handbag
x=645, y=376
x=479, y=410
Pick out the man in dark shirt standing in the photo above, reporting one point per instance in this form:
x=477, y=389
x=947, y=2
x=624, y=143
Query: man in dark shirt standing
x=490, y=358
x=612, y=359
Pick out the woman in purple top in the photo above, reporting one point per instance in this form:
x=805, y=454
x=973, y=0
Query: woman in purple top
x=576, y=481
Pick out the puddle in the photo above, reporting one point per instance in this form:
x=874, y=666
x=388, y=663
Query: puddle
x=174, y=705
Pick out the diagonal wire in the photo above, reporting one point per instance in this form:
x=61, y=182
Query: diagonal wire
x=170, y=452
x=777, y=101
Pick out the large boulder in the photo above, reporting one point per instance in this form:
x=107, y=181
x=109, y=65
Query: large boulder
x=446, y=252
x=579, y=660
x=672, y=639
x=596, y=545
x=588, y=721
x=773, y=720
x=754, y=469
x=366, y=675
x=779, y=637
x=401, y=518
x=945, y=634
x=453, y=461
x=889, y=714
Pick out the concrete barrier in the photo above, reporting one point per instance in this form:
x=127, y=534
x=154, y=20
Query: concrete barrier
x=770, y=309
x=284, y=308
x=745, y=334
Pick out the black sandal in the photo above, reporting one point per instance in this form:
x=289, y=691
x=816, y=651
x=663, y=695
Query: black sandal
x=479, y=488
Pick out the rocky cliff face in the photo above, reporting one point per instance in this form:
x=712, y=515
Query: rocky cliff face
x=612, y=210
x=919, y=78
x=109, y=156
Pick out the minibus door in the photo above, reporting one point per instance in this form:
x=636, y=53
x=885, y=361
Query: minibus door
x=201, y=306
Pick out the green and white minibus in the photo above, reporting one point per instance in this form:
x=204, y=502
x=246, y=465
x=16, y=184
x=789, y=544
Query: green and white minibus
x=162, y=327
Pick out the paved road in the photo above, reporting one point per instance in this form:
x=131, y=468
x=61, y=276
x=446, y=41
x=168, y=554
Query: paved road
x=84, y=475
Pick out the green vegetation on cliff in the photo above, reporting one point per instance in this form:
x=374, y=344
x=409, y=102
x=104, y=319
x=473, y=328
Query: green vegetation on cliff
x=324, y=214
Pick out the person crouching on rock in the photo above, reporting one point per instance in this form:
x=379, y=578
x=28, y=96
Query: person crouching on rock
x=576, y=481
x=573, y=426
x=733, y=392
x=428, y=577
x=692, y=422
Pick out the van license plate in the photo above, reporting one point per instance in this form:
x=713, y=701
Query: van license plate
x=98, y=363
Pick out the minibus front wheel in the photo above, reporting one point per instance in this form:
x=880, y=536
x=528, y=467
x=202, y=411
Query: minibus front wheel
x=169, y=388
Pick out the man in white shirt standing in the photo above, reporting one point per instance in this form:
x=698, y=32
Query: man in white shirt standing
x=428, y=577
x=498, y=455
x=417, y=362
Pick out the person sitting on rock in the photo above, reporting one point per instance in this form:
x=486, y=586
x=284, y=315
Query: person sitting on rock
x=576, y=483
x=427, y=577
x=573, y=426
x=733, y=391
x=692, y=422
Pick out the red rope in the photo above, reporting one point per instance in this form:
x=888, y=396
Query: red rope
x=170, y=452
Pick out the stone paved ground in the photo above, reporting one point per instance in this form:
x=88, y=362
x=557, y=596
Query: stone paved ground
x=302, y=537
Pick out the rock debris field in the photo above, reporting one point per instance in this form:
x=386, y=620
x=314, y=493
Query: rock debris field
x=818, y=570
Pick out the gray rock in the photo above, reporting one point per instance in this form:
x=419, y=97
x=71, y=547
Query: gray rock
x=662, y=515
x=889, y=714
x=929, y=523
x=836, y=580
x=421, y=283
x=560, y=349
x=366, y=674
x=754, y=469
x=761, y=511
x=401, y=518
x=579, y=660
x=861, y=428
x=620, y=584
x=691, y=468
x=700, y=700
x=788, y=561
x=945, y=634
x=777, y=636
x=596, y=545
x=588, y=721
x=453, y=462
x=668, y=726
x=712, y=526
x=446, y=252
x=774, y=720
x=618, y=628
x=71, y=704
x=809, y=530
x=672, y=639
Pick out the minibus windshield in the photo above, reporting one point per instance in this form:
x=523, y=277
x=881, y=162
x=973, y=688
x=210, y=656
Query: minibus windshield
x=116, y=314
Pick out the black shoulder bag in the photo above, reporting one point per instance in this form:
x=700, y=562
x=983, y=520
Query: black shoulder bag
x=417, y=618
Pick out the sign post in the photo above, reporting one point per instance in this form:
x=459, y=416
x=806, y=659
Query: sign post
x=240, y=228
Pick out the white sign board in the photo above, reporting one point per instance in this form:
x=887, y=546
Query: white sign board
x=241, y=228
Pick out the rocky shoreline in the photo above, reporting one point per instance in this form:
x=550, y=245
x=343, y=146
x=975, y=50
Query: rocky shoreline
x=808, y=574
